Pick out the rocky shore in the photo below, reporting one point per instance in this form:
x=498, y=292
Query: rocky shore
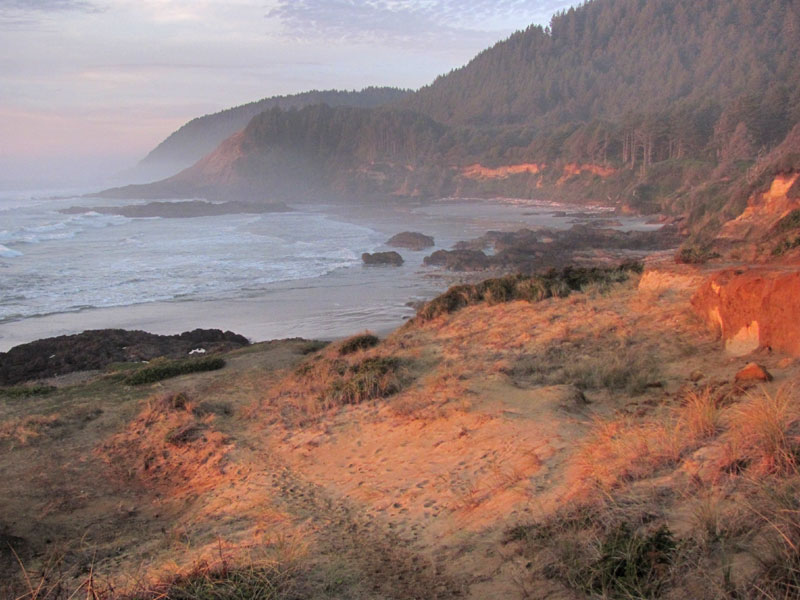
x=97, y=349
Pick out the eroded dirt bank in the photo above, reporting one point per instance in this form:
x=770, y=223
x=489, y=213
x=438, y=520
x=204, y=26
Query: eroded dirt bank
x=754, y=307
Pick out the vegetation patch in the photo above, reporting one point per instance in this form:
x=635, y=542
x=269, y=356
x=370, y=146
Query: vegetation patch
x=628, y=564
x=789, y=222
x=532, y=288
x=375, y=377
x=158, y=370
x=25, y=391
x=692, y=255
x=261, y=582
x=362, y=341
x=786, y=244
x=607, y=363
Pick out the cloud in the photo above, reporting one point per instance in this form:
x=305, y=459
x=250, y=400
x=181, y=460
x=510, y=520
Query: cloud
x=45, y=6
x=408, y=20
x=27, y=13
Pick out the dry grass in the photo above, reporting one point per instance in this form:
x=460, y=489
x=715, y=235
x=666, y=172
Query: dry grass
x=620, y=450
x=700, y=415
x=606, y=361
x=25, y=429
x=776, y=507
x=765, y=433
x=331, y=379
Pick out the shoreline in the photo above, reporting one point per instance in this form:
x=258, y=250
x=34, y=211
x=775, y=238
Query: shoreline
x=337, y=304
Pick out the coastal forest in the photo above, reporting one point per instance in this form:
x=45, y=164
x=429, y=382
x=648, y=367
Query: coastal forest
x=680, y=107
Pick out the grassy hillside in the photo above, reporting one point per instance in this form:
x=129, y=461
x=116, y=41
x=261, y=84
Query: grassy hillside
x=595, y=445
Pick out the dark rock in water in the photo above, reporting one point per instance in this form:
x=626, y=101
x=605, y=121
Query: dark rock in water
x=458, y=260
x=183, y=209
x=411, y=240
x=99, y=348
x=382, y=258
x=529, y=251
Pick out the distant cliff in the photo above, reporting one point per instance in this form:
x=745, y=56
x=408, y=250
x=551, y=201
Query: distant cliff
x=202, y=135
x=314, y=150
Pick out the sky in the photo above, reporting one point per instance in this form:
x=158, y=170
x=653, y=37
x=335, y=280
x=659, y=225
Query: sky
x=88, y=87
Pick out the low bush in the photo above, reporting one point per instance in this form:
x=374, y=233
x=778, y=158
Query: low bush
x=158, y=370
x=785, y=245
x=616, y=365
x=375, y=377
x=262, y=582
x=789, y=222
x=765, y=433
x=692, y=255
x=362, y=341
x=25, y=391
x=629, y=564
x=531, y=288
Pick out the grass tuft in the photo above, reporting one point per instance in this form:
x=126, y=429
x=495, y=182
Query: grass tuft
x=765, y=433
x=375, y=377
x=700, y=415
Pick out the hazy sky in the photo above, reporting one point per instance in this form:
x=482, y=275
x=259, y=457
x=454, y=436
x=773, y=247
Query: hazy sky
x=93, y=85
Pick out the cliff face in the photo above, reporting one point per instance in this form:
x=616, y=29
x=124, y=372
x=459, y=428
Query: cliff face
x=753, y=233
x=752, y=309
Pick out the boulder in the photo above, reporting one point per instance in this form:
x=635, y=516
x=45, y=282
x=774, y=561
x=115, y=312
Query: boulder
x=458, y=260
x=411, y=240
x=391, y=258
x=753, y=372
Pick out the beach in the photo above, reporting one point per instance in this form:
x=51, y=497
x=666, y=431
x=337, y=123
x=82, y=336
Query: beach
x=273, y=276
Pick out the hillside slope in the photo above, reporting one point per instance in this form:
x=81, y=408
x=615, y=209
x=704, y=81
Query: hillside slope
x=595, y=445
x=203, y=134
x=317, y=150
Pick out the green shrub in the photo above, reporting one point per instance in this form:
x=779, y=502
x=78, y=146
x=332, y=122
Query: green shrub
x=362, y=341
x=614, y=365
x=158, y=370
x=629, y=565
x=785, y=245
x=691, y=255
x=26, y=391
x=532, y=288
x=789, y=222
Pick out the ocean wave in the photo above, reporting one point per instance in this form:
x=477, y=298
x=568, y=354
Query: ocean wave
x=6, y=252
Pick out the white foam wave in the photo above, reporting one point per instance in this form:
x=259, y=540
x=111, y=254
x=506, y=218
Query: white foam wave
x=6, y=252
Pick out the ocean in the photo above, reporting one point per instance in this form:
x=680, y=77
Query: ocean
x=266, y=276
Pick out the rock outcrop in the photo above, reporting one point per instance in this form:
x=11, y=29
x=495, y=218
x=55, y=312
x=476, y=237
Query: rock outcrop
x=753, y=372
x=458, y=260
x=411, y=240
x=391, y=258
x=99, y=348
